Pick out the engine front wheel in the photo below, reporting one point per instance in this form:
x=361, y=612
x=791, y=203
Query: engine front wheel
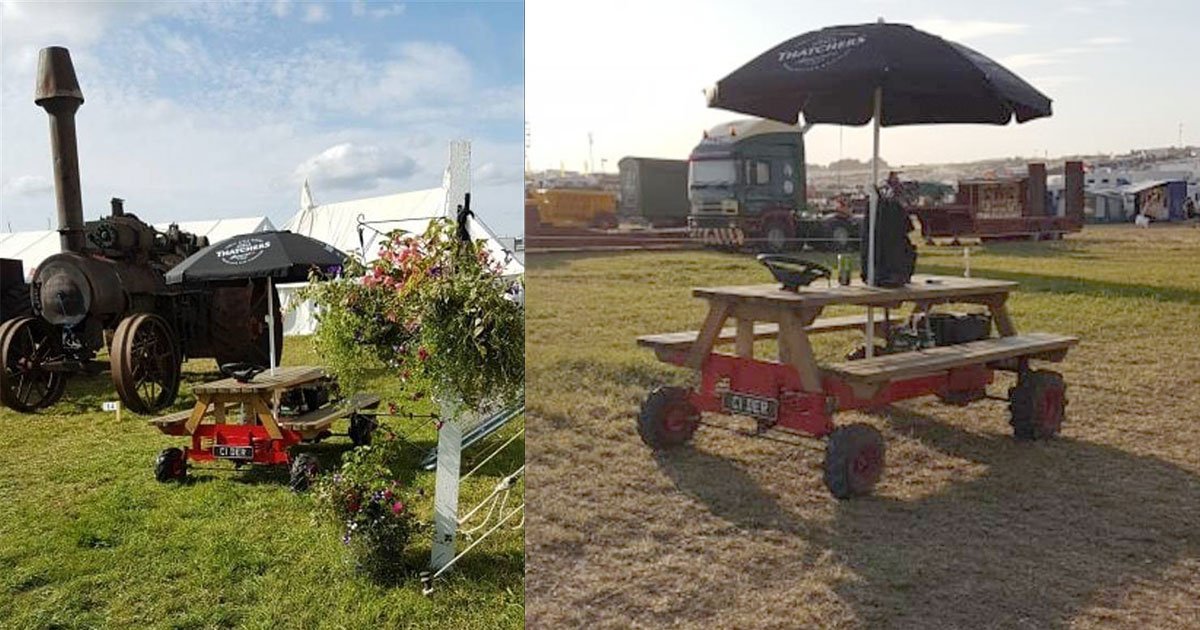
x=27, y=346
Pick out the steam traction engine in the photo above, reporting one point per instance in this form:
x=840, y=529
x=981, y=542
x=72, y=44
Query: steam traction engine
x=107, y=288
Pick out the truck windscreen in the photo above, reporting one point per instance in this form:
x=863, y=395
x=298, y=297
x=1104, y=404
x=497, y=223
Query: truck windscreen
x=703, y=173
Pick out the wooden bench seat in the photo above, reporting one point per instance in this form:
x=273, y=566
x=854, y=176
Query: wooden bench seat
x=179, y=417
x=1048, y=346
x=677, y=341
x=320, y=419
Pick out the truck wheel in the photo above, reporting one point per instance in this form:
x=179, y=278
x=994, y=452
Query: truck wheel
x=668, y=419
x=854, y=459
x=1038, y=405
x=839, y=237
x=777, y=237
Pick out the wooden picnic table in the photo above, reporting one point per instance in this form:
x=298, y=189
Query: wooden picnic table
x=767, y=311
x=261, y=397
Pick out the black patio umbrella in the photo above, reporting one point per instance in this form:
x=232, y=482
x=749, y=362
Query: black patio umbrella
x=892, y=74
x=278, y=256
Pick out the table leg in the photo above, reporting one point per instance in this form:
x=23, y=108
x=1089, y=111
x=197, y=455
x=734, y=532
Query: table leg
x=998, y=306
x=795, y=349
x=267, y=419
x=745, y=338
x=718, y=312
x=198, y=412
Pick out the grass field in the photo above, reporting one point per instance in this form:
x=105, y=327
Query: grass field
x=968, y=529
x=88, y=539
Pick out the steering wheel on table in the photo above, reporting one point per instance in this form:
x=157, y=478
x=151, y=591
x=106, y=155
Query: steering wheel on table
x=792, y=271
x=242, y=372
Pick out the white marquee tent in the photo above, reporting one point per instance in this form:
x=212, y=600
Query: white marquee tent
x=221, y=229
x=358, y=226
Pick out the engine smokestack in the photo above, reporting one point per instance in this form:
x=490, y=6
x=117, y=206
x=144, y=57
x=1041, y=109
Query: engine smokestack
x=58, y=93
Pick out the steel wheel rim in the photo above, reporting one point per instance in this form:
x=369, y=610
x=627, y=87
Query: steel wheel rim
x=26, y=349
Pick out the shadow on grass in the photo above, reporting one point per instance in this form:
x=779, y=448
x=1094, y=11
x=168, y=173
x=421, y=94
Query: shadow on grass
x=725, y=489
x=1049, y=530
x=1079, y=286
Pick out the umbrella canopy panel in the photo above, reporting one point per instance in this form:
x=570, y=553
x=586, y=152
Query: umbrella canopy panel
x=830, y=76
x=281, y=255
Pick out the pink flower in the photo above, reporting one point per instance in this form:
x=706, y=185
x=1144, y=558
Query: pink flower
x=397, y=507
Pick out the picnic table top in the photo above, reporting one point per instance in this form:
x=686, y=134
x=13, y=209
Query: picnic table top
x=265, y=382
x=921, y=287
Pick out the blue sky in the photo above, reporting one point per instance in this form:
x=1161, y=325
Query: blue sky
x=221, y=109
x=1121, y=73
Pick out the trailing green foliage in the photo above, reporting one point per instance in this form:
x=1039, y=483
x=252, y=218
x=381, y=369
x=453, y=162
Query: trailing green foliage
x=432, y=309
x=372, y=506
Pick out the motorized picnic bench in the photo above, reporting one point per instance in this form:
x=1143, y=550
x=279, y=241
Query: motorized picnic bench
x=796, y=394
x=258, y=420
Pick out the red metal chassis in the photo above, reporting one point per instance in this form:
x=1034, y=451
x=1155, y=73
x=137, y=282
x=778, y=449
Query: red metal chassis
x=811, y=413
x=267, y=450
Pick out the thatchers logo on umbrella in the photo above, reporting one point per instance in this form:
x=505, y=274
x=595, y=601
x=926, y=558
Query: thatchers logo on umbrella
x=820, y=51
x=243, y=251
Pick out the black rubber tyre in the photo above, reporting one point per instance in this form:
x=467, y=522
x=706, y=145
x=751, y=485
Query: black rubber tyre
x=668, y=419
x=1037, y=405
x=838, y=237
x=776, y=238
x=854, y=460
x=171, y=465
x=304, y=469
x=361, y=429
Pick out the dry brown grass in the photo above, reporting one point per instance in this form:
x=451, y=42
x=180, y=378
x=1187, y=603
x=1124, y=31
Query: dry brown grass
x=969, y=529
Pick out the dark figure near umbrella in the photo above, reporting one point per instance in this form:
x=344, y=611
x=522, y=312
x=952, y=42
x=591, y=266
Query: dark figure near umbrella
x=464, y=215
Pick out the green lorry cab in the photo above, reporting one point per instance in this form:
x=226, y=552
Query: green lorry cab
x=746, y=188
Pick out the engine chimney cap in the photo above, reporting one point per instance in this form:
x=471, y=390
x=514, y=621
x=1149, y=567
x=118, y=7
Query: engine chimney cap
x=56, y=76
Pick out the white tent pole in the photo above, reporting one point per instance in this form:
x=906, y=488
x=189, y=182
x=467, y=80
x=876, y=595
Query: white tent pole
x=271, y=320
x=872, y=219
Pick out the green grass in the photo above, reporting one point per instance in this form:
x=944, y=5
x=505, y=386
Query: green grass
x=968, y=528
x=88, y=538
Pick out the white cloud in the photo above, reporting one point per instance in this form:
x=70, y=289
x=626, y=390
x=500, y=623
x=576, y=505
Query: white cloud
x=315, y=13
x=28, y=185
x=282, y=8
x=186, y=126
x=490, y=173
x=348, y=165
x=376, y=10
x=968, y=29
x=1107, y=41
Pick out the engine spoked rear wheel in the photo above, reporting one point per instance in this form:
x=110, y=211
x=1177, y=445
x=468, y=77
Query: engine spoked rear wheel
x=145, y=363
x=27, y=344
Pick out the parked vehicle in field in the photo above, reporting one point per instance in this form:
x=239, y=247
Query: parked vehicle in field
x=654, y=191
x=746, y=184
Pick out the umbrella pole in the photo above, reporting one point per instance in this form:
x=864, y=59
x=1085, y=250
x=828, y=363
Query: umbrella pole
x=271, y=320
x=871, y=219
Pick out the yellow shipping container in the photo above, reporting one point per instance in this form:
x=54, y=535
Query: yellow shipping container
x=570, y=207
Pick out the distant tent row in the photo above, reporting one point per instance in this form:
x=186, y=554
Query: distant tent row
x=355, y=227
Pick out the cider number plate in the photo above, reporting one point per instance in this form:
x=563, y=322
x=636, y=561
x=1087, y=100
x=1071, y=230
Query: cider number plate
x=225, y=451
x=753, y=406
